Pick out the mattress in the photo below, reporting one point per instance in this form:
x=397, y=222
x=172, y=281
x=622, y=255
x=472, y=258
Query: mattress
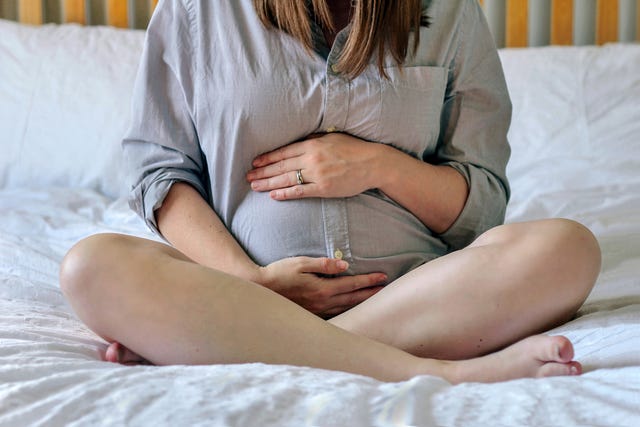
x=576, y=154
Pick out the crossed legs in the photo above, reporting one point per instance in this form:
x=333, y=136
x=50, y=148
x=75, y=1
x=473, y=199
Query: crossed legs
x=512, y=282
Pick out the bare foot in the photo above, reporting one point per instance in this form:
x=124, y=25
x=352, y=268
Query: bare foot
x=533, y=357
x=117, y=353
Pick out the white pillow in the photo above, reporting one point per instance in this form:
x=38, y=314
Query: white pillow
x=576, y=121
x=65, y=104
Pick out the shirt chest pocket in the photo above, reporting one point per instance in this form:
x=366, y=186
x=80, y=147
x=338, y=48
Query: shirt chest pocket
x=411, y=104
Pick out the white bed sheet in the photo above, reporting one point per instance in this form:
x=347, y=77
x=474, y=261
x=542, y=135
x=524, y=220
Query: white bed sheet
x=50, y=373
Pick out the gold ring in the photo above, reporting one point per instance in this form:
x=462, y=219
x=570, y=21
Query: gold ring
x=299, y=177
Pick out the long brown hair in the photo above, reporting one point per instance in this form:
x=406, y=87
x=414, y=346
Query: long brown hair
x=377, y=26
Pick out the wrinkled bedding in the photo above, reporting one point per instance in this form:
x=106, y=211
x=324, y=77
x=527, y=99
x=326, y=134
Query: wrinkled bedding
x=51, y=373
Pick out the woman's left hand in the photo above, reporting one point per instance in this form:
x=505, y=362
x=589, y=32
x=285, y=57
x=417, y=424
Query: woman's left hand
x=324, y=165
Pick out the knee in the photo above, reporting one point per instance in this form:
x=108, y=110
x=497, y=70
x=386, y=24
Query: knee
x=570, y=242
x=86, y=263
x=564, y=249
x=568, y=246
x=574, y=260
x=578, y=249
x=559, y=237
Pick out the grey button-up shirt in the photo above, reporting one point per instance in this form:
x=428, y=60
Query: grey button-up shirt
x=215, y=89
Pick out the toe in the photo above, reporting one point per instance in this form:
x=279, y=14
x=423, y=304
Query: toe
x=553, y=369
x=112, y=353
x=557, y=349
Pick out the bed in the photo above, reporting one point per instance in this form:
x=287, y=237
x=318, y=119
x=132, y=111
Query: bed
x=64, y=105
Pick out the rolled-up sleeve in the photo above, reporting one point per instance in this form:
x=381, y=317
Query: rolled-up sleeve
x=475, y=120
x=161, y=146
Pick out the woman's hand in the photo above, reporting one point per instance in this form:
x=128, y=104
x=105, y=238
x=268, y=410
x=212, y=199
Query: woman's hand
x=303, y=280
x=341, y=165
x=330, y=165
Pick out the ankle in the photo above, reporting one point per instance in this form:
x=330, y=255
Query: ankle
x=448, y=370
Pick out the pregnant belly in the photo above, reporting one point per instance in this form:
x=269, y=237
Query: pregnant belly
x=380, y=235
x=271, y=230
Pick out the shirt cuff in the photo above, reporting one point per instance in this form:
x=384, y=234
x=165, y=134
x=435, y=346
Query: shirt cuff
x=146, y=199
x=484, y=209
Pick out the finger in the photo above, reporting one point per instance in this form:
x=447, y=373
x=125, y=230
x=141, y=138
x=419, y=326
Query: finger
x=352, y=299
x=332, y=312
x=280, y=167
x=343, y=302
x=349, y=284
x=322, y=265
x=296, y=192
x=286, y=180
x=282, y=153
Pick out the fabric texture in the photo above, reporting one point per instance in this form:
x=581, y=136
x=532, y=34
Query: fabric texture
x=216, y=89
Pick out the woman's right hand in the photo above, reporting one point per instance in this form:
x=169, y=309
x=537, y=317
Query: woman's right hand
x=307, y=282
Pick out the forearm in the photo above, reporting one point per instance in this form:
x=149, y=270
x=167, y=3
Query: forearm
x=434, y=194
x=193, y=228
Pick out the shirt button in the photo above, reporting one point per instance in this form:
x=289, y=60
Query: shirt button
x=334, y=68
x=331, y=129
x=338, y=254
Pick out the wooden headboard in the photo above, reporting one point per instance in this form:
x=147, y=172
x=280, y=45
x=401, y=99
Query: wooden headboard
x=522, y=23
x=117, y=13
x=514, y=23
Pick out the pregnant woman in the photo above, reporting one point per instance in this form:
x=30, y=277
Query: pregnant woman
x=330, y=178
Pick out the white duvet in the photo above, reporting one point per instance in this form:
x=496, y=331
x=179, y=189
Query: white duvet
x=576, y=154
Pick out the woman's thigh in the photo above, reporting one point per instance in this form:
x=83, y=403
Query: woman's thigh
x=106, y=272
x=513, y=281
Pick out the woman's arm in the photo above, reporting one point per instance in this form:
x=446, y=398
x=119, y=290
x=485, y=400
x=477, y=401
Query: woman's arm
x=188, y=222
x=340, y=165
x=436, y=194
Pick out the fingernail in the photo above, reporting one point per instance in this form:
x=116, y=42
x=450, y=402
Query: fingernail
x=343, y=265
x=574, y=370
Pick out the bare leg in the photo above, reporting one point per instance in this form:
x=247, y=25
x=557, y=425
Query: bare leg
x=514, y=281
x=170, y=310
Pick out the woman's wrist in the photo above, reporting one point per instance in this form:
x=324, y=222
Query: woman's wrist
x=378, y=165
x=256, y=273
x=387, y=166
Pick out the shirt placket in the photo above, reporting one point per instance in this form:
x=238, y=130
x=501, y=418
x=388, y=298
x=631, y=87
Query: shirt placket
x=336, y=112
